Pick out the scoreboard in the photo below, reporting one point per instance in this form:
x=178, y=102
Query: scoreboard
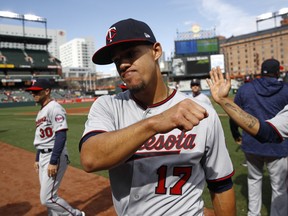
x=197, y=46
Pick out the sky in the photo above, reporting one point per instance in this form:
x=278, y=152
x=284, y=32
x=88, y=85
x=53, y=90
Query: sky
x=92, y=18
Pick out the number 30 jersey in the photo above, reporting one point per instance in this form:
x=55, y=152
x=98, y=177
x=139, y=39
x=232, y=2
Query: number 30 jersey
x=50, y=119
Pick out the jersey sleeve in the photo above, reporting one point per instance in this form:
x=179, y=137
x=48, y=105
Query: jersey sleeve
x=217, y=163
x=58, y=118
x=100, y=117
x=279, y=122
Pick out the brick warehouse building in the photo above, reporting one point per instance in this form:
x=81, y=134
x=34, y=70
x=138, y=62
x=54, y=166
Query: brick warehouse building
x=245, y=53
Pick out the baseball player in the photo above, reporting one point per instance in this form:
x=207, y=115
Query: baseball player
x=195, y=86
x=159, y=146
x=50, y=142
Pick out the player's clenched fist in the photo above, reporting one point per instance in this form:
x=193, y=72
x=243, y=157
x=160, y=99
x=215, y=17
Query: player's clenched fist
x=184, y=116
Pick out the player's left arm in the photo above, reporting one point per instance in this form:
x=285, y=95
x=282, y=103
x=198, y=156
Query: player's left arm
x=224, y=203
x=219, y=168
x=60, y=140
x=59, y=122
x=219, y=88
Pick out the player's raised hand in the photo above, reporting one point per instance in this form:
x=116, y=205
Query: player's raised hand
x=219, y=87
x=184, y=116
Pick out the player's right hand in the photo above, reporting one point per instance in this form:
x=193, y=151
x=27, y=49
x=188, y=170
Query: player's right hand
x=52, y=170
x=184, y=116
x=219, y=87
x=36, y=166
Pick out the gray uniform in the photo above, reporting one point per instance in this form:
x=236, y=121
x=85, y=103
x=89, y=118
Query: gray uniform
x=166, y=176
x=203, y=98
x=280, y=122
x=50, y=119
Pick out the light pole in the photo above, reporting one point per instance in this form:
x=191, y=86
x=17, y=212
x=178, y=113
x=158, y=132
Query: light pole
x=271, y=15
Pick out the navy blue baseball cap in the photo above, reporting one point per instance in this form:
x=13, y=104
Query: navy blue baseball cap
x=123, y=32
x=195, y=82
x=39, y=85
x=270, y=66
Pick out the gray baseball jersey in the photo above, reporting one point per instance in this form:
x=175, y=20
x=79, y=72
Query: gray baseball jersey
x=280, y=122
x=166, y=176
x=50, y=118
x=203, y=98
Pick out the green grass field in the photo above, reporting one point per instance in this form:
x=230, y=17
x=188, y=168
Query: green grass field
x=17, y=128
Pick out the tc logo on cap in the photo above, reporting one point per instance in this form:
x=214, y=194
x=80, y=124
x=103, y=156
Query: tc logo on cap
x=111, y=34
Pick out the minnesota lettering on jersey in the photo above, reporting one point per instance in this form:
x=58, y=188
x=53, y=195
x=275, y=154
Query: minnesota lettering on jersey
x=161, y=142
x=40, y=121
x=160, y=145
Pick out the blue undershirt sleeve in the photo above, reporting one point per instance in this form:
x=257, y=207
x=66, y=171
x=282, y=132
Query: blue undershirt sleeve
x=60, y=140
x=267, y=133
x=220, y=186
x=87, y=136
x=37, y=155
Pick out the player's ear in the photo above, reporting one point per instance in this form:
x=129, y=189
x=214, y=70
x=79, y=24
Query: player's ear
x=157, y=50
x=48, y=90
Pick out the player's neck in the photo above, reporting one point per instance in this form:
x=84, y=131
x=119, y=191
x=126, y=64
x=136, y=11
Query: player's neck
x=195, y=94
x=154, y=96
x=45, y=102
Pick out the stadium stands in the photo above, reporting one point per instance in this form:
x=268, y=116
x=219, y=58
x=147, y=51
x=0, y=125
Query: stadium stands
x=15, y=57
x=41, y=58
x=24, y=58
x=19, y=66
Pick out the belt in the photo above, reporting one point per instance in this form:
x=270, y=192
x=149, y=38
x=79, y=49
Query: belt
x=43, y=151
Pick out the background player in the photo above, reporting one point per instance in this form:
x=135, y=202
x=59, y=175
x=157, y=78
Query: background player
x=195, y=86
x=158, y=159
x=50, y=142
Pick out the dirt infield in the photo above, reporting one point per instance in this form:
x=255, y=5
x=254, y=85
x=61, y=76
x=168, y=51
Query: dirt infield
x=19, y=184
x=19, y=187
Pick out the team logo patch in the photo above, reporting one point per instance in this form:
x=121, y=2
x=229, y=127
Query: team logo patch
x=59, y=118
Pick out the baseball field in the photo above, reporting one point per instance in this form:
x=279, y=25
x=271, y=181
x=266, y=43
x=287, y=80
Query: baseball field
x=19, y=187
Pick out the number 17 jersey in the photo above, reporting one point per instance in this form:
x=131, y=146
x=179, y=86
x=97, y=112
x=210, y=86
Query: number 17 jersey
x=167, y=174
